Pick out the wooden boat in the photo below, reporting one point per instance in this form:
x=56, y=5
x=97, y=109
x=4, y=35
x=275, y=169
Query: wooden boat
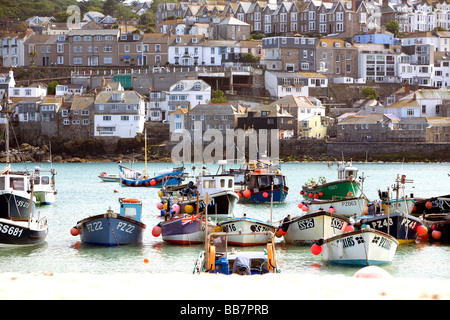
x=261, y=182
x=218, y=186
x=185, y=229
x=109, y=177
x=399, y=225
x=438, y=225
x=311, y=227
x=218, y=259
x=345, y=187
x=113, y=229
x=345, y=207
x=246, y=231
x=44, y=186
x=364, y=247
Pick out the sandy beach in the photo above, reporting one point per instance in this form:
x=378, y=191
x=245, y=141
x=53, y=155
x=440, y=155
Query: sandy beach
x=68, y=286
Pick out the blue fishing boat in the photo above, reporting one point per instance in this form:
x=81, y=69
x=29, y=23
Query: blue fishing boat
x=112, y=229
x=262, y=182
x=133, y=178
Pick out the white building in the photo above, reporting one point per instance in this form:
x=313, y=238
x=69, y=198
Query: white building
x=119, y=114
x=187, y=94
x=421, y=103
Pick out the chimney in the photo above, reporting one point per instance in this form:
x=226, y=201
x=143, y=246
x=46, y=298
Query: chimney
x=407, y=88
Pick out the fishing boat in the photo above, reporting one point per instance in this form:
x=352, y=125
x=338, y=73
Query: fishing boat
x=113, y=229
x=218, y=259
x=187, y=229
x=109, y=177
x=439, y=204
x=313, y=226
x=399, y=225
x=185, y=200
x=345, y=187
x=345, y=207
x=246, y=231
x=44, y=186
x=438, y=226
x=135, y=178
x=365, y=247
x=18, y=223
x=260, y=181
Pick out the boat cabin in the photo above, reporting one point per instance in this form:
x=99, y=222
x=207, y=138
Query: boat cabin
x=347, y=171
x=262, y=180
x=14, y=182
x=131, y=208
x=215, y=183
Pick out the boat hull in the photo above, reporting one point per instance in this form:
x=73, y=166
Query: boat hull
x=110, y=229
x=19, y=233
x=314, y=226
x=45, y=197
x=247, y=225
x=109, y=178
x=257, y=195
x=184, y=230
x=361, y=247
x=221, y=206
x=404, y=205
x=172, y=178
x=345, y=207
x=340, y=189
x=402, y=227
x=16, y=205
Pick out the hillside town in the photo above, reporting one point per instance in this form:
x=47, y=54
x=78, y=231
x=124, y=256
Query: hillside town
x=347, y=71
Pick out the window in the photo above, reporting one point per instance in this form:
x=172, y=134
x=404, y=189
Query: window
x=66, y=122
x=107, y=60
x=77, y=60
x=87, y=38
x=107, y=49
x=106, y=118
x=77, y=49
x=124, y=118
x=157, y=48
x=60, y=48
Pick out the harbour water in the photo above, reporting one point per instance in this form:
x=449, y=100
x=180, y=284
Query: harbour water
x=81, y=193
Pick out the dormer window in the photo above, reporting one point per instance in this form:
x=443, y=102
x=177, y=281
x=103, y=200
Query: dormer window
x=197, y=87
x=179, y=87
x=194, y=40
x=117, y=96
x=178, y=40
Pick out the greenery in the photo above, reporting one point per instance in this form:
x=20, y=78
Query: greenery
x=51, y=87
x=218, y=96
x=393, y=27
x=369, y=93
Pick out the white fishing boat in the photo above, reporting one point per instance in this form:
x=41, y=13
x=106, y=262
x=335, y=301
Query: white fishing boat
x=44, y=185
x=345, y=207
x=247, y=231
x=390, y=203
x=365, y=247
x=311, y=227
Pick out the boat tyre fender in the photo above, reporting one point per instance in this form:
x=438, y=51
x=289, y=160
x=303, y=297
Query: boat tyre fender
x=270, y=257
x=349, y=195
x=311, y=182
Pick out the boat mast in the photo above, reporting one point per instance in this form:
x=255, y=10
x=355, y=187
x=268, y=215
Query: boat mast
x=145, y=150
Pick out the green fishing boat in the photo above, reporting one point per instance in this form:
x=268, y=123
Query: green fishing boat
x=345, y=187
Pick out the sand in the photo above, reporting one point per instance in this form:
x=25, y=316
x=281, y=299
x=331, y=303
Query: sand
x=179, y=286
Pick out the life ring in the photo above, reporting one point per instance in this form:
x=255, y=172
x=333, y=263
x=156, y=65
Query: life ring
x=349, y=195
x=322, y=180
x=131, y=200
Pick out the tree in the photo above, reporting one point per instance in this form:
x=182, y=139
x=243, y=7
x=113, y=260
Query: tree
x=393, y=27
x=369, y=93
x=218, y=97
x=51, y=87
